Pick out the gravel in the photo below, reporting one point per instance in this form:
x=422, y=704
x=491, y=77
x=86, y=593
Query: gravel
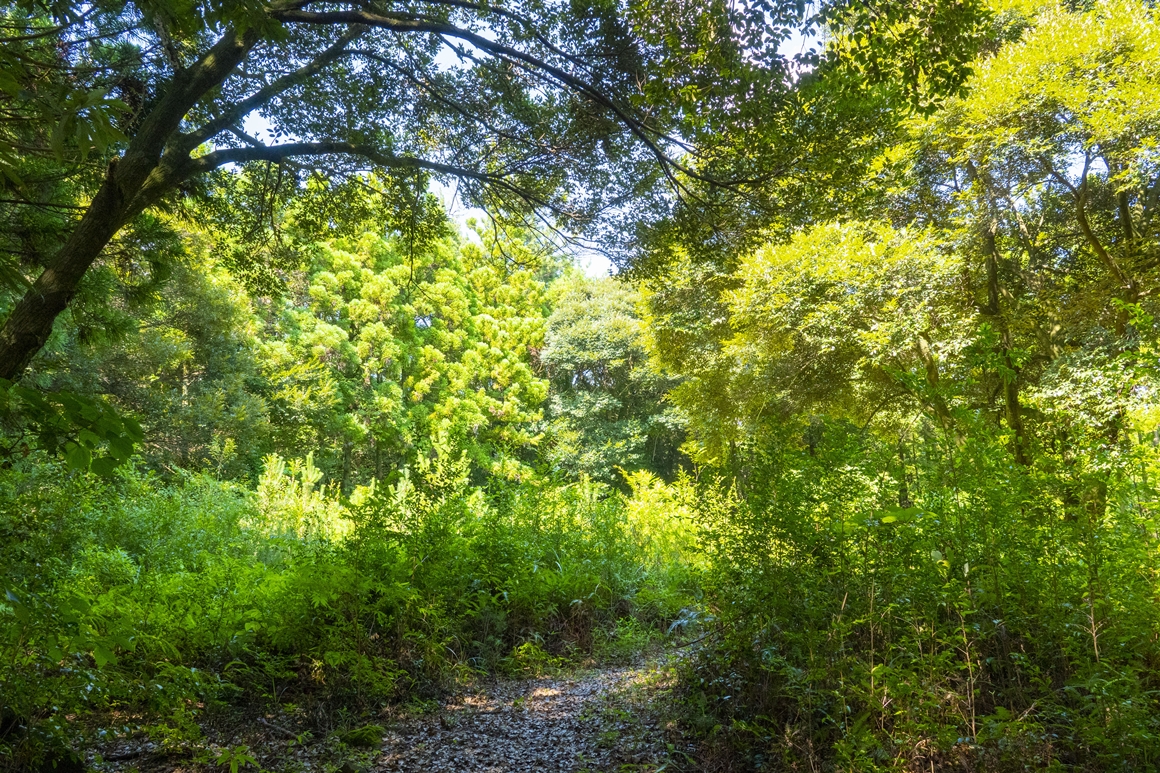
x=583, y=722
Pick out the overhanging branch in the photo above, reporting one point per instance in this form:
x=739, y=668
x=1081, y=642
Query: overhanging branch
x=266, y=93
x=377, y=156
x=408, y=24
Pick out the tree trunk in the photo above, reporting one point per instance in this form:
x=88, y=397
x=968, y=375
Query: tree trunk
x=29, y=325
x=1013, y=408
x=134, y=181
x=934, y=398
x=993, y=310
x=344, y=484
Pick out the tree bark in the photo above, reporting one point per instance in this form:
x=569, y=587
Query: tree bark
x=934, y=398
x=1013, y=409
x=30, y=323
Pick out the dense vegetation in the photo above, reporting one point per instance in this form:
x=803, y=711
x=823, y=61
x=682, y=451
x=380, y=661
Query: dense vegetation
x=932, y=434
x=869, y=422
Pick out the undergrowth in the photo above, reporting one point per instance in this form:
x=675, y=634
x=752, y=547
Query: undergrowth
x=1005, y=619
x=163, y=601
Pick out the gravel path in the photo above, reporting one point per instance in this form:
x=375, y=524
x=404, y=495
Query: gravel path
x=592, y=721
x=588, y=721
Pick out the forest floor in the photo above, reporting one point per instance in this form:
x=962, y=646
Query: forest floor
x=580, y=721
x=596, y=720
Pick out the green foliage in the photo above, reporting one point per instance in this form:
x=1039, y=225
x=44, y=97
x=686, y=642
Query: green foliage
x=236, y=758
x=605, y=410
x=383, y=355
x=77, y=426
x=187, y=370
x=379, y=349
x=987, y=622
x=133, y=594
x=877, y=429
x=922, y=50
x=367, y=735
x=826, y=322
x=928, y=437
x=530, y=660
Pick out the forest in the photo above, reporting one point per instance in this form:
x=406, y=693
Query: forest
x=773, y=385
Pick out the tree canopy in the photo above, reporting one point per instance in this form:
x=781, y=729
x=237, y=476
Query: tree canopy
x=564, y=113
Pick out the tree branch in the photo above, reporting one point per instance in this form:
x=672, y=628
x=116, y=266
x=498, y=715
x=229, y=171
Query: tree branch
x=425, y=85
x=523, y=21
x=278, y=153
x=1079, y=194
x=266, y=93
x=406, y=24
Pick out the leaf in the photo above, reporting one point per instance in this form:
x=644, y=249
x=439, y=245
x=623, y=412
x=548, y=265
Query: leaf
x=109, y=425
x=900, y=515
x=53, y=652
x=121, y=448
x=132, y=429
x=77, y=457
x=105, y=466
x=80, y=604
x=89, y=439
x=103, y=655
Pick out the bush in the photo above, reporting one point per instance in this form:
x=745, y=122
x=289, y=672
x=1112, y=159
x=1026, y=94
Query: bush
x=158, y=597
x=1003, y=618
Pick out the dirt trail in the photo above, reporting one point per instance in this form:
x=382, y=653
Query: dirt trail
x=589, y=721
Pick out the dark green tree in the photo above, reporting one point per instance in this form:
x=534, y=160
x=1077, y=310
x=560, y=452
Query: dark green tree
x=606, y=405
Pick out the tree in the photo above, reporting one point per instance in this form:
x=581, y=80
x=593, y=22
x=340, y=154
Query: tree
x=1010, y=238
x=379, y=357
x=521, y=115
x=183, y=359
x=565, y=111
x=606, y=404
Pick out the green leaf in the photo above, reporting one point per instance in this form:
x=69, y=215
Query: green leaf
x=105, y=466
x=89, y=439
x=53, y=652
x=77, y=457
x=121, y=448
x=103, y=655
x=899, y=515
x=80, y=604
x=132, y=429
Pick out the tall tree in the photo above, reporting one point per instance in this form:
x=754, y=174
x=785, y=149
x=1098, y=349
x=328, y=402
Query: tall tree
x=606, y=405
